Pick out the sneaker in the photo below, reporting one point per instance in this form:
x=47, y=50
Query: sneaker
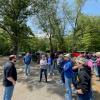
x=29, y=74
x=26, y=77
x=39, y=81
x=48, y=74
x=60, y=83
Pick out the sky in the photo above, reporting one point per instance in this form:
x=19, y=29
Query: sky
x=91, y=8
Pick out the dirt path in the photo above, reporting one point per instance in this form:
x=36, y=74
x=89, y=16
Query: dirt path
x=31, y=89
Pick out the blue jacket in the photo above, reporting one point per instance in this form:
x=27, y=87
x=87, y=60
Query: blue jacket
x=68, y=72
x=27, y=59
x=49, y=60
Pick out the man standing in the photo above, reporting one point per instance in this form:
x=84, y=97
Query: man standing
x=68, y=74
x=27, y=60
x=10, y=77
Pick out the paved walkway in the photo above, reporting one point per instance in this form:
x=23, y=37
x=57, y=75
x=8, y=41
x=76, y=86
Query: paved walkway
x=31, y=89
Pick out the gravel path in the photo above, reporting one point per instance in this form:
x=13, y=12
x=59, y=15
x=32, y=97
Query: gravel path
x=31, y=89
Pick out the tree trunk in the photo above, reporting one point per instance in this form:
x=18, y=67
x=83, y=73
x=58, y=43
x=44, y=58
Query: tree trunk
x=15, y=46
x=50, y=40
x=74, y=41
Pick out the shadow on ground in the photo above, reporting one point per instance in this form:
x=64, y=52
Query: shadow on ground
x=32, y=82
x=96, y=95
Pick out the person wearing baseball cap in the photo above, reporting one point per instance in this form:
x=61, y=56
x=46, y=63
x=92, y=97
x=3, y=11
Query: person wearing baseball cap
x=10, y=77
x=68, y=74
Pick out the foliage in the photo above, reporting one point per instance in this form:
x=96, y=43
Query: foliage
x=88, y=37
x=46, y=13
x=65, y=26
x=5, y=43
x=14, y=14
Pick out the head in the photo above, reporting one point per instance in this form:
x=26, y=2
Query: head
x=81, y=62
x=43, y=57
x=74, y=59
x=61, y=56
x=48, y=55
x=67, y=57
x=27, y=53
x=12, y=58
x=94, y=55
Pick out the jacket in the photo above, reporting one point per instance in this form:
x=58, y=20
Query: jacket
x=84, y=79
x=27, y=59
x=68, y=72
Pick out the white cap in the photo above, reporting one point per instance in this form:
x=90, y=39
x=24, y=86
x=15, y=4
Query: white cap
x=67, y=55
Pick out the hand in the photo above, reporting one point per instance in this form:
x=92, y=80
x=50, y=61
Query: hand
x=79, y=91
x=14, y=82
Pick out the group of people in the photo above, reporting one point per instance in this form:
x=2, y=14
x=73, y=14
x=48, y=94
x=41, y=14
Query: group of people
x=75, y=73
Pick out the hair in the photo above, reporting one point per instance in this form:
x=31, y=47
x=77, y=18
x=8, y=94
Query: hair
x=11, y=57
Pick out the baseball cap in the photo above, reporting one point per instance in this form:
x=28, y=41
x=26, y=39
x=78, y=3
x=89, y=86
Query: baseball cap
x=67, y=55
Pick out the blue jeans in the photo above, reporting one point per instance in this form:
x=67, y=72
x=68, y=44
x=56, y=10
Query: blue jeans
x=55, y=63
x=27, y=69
x=91, y=95
x=8, y=92
x=96, y=70
x=74, y=79
x=62, y=77
x=52, y=69
x=49, y=68
x=68, y=95
x=86, y=96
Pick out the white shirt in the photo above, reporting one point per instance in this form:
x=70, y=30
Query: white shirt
x=43, y=64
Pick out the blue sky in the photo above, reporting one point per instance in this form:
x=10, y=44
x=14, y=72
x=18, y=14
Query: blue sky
x=91, y=8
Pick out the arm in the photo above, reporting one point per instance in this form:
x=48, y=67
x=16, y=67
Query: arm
x=75, y=67
x=67, y=66
x=12, y=80
x=24, y=59
x=41, y=62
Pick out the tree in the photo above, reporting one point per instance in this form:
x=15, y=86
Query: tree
x=72, y=15
x=13, y=17
x=5, y=43
x=49, y=22
x=88, y=37
x=91, y=30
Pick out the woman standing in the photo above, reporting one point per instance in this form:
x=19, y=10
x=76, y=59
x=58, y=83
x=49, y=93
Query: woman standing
x=43, y=68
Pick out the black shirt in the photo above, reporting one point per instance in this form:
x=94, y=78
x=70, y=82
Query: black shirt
x=9, y=71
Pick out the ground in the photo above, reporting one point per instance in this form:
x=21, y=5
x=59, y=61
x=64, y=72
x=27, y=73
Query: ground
x=31, y=89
